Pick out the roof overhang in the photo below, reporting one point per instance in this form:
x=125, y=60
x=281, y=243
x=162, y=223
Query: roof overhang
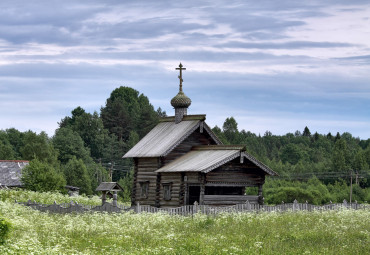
x=207, y=158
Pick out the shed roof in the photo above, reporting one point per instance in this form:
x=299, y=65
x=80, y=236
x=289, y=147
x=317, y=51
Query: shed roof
x=207, y=158
x=109, y=186
x=164, y=137
x=10, y=172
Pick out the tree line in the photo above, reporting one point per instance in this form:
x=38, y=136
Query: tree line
x=304, y=160
x=87, y=148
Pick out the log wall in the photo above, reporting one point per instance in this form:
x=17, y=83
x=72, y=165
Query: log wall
x=195, y=139
x=236, y=172
x=175, y=179
x=145, y=173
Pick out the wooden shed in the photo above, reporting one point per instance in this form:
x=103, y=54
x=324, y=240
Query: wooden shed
x=181, y=161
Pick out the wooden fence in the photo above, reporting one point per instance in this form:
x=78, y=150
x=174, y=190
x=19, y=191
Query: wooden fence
x=189, y=210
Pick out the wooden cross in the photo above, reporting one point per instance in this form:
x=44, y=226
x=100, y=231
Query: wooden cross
x=180, y=76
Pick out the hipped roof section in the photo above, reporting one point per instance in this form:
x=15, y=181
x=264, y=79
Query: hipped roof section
x=164, y=137
x=207, y=158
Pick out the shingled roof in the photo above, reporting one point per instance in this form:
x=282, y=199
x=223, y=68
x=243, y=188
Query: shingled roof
x=164, y=137
x=207, y=158
x=11, y=172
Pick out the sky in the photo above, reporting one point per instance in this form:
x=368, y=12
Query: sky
x=272, y=65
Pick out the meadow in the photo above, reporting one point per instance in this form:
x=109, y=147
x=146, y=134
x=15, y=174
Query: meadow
x=34, y=232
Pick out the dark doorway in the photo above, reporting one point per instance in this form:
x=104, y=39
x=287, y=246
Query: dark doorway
x=194, y=194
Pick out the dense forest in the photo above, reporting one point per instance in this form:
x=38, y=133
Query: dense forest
x=88, y=148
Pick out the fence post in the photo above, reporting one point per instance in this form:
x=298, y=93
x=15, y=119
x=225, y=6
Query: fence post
x=248, y=205
x=114, y=198
x=345, y=204
x=195, y=207
x=138, y=209
x=295, y=205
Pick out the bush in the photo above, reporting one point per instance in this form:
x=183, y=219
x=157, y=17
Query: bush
x=40, y=176
x=5, y=227
x=289, y=194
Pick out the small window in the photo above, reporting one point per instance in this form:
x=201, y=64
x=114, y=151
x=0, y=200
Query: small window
x=167, y=191
x=144, y=186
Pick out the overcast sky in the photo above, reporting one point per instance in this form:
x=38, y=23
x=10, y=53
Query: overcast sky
x=272, y=65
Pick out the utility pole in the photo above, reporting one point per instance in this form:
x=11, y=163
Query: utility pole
x=111, y=171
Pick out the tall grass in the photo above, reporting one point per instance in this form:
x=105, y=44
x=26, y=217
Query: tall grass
x=45, y=197
x=330, y=232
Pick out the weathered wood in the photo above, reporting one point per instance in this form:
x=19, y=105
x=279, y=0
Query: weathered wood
x=228, y=199
x=195, y=139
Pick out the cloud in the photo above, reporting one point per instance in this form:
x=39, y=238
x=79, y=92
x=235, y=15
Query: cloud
x=273, y=64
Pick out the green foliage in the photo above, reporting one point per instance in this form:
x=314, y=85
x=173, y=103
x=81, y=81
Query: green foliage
x=126, y=111
x=38, y=146
x=69, y=144
x=40, y=176
x=5, y=227
x=76, y=174
x=306, y=132
x=289, y=194
x=230, y=130
x=126, y=184
x=6, y=149
x=291, y=154
x=90, y=128
x=49, y=197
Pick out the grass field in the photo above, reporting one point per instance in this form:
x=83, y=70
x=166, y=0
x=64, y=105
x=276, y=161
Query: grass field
x=331, y=232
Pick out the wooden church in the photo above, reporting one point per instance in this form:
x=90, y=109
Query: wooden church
x=181, y=161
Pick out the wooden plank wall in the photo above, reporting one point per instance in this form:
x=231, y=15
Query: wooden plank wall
x=195, y=139
x=146, y=168
x=235, y=172
x=176, y=190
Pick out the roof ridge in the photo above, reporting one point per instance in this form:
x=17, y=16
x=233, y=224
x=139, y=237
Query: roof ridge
x=185, y=118
x=220, y=147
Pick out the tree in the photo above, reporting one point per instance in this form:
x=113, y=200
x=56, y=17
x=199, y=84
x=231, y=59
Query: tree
x=70, y=144
x=76, y=174
x=306, y=132
x=40, y=147
x=230, y=129
x=41, y=176
x=126, y=111
x=360, y=161
x=6, y=149
x=291, y=153
x=340, y=156
x=15, y=138
x=218, y=132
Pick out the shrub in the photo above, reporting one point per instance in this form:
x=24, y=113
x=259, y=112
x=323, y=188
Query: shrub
x=289, y=194
x=5, y=227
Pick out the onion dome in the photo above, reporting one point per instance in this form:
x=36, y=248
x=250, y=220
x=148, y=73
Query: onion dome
x=180, y=100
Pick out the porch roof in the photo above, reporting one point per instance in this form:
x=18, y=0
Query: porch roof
x=206, y=158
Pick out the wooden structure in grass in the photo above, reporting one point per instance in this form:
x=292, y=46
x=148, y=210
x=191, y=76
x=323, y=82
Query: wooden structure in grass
x=107, y=188
x=181, y=161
